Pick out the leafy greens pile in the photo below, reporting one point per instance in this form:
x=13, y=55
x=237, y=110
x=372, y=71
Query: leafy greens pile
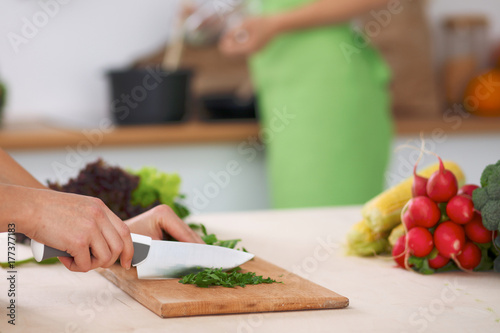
x=126, y=193
x=211, y=277
x=230, y=279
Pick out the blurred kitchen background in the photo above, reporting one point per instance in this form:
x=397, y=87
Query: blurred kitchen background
x=56, y=60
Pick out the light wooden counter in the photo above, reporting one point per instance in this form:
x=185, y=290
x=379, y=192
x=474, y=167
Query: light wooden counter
x=307, y=242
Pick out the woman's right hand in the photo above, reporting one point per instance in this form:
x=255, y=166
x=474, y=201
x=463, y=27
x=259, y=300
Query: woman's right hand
x=80, y=225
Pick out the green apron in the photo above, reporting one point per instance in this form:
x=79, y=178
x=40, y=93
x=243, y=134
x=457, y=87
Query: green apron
x=325, y=116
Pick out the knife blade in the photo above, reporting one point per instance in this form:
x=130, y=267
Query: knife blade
x=156, y=259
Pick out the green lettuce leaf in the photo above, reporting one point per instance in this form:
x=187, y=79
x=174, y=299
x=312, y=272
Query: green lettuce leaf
x=156, y=186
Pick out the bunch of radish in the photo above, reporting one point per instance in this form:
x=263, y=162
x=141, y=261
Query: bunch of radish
x=443, y=230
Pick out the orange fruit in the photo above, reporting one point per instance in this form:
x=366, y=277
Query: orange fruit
x=482, y=95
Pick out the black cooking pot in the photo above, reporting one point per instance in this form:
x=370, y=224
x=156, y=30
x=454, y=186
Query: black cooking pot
x=149, y=96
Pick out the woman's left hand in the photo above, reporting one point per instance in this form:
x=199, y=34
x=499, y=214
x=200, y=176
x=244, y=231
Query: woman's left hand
x=160, y=219
x=251, y=36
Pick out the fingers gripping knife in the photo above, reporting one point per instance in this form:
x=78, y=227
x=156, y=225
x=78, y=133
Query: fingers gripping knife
x=141, y=243
x=156, y=259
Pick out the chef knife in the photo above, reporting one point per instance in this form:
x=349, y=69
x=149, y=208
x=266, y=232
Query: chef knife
x=157, y=259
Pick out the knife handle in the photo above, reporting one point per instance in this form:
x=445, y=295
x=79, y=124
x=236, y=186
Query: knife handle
x=42, y=252
x=141, y=249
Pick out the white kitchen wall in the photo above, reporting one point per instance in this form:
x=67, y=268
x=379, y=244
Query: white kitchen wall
x=54, y=53
x=58, y=70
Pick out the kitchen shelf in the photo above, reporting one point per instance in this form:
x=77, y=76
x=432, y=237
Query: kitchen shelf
x=42, y=135
x=452, y=124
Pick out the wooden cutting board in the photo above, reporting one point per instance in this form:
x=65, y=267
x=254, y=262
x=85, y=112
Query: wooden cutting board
x=169, y=298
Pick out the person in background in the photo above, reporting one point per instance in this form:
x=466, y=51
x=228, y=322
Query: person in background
x=76, y=223
x=309, y=67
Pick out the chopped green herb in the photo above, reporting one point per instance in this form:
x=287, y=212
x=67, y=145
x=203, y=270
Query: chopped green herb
x=211, y=239
x=217, y=277
x=230, y=279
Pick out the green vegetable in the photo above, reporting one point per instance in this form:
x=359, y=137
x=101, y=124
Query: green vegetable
x=491, y=174
x=362, y=241
x=480, y=198
x=211, y=239
x=25, y=261
x=493, y=190
x=155, y=186
x=487, y=200
x=215, y=276
x=230, y=279
x=491, y=215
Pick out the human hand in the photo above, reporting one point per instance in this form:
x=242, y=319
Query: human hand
x=78, y=225
x=251, y=36
x=162, y=219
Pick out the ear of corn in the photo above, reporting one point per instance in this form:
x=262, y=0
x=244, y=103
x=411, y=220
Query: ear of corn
x=382, y=215
x=362, y=241
x=397, y=232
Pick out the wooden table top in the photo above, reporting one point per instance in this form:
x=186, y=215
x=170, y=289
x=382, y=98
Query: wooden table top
x=307, y=242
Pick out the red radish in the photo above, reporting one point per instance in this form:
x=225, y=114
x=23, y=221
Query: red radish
x=470, y=256
x=449, y=239
x=418, y=188
x=476, y=231
x=419, y=185
x=398, y=251
x=460, y=209
x=442, y=184
x=408, y=220
x=467, y=189
x=438, y=262
x=424, y=212
x=420, y=242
